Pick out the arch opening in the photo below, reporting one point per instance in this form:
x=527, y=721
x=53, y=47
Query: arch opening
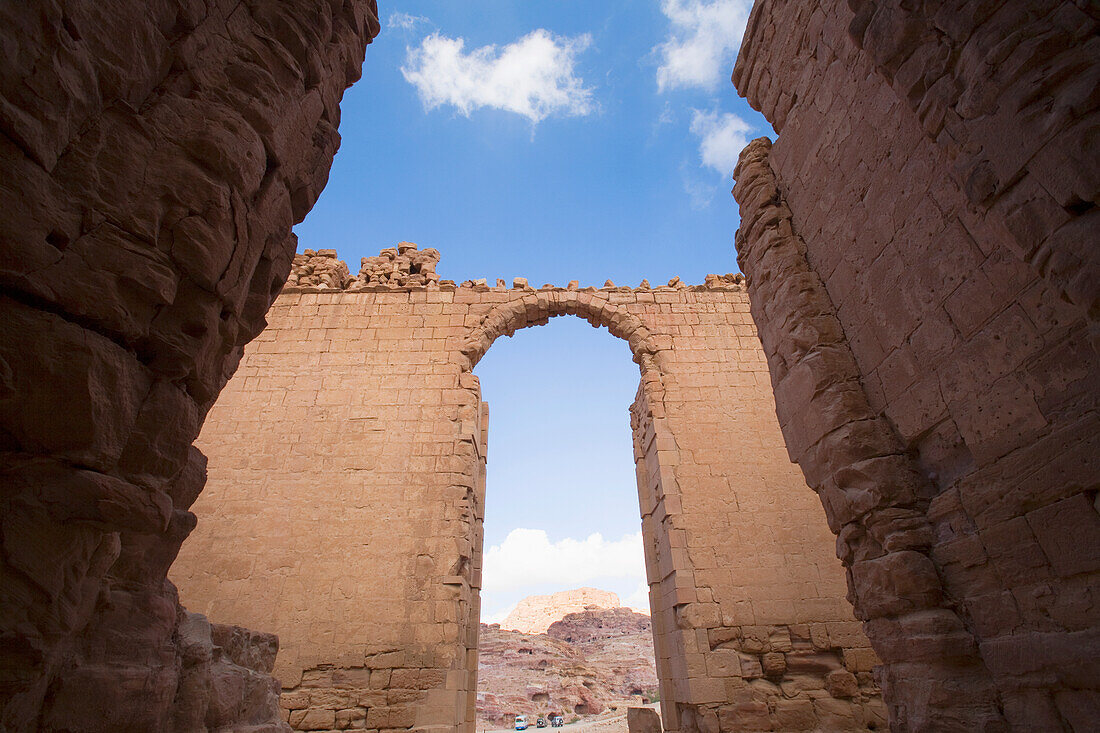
x=347, y=487
x=563, y=571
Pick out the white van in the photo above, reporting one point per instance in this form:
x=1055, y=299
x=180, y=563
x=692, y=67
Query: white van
x=521, y=722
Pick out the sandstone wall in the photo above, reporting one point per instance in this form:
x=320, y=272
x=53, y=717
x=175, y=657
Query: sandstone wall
x=154, y=156
x=347, y=486
x=920, y=246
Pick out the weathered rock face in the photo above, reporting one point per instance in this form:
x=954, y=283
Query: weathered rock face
x=1008, y=92
x=155, y=156
x=535, y=614
x=225, y=679
x=920, y=250
x=593, y=624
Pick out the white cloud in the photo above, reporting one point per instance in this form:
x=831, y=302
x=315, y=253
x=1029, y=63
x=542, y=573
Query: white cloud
x=533, y=77
x=528, y=558
x=700, y=193
x=722, y=137
x=404, y=21
x=639, y=599
x=499, y=616
x=667, y=116
x=703, y=42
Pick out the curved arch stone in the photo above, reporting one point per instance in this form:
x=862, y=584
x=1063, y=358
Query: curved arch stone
x=537, y=308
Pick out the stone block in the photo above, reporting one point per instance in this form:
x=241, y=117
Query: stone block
x=752, y=715
x=1069, y=533
x=895, y=583
x=774, y=664
x=841, y=683
x=313, y=719
x=643, y=720
x=351, y=719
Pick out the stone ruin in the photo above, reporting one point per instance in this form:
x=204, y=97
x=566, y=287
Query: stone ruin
x=920, y=247
x=394, y=267
x=155, y=156
x=923, y=289
x=407, y=266
x=357, y=411
x=319, y=269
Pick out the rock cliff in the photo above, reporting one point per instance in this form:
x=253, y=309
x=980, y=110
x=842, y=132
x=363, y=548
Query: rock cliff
x=155, y=156
x=534, y=614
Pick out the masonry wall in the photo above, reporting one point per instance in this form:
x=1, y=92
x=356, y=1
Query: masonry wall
x=926, y=184
x=347, y=484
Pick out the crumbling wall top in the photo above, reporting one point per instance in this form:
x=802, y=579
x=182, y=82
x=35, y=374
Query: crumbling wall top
x=405, y=267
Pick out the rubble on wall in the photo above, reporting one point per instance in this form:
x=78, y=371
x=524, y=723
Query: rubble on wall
x=400, y=266
x=319, y=269
x=407, y=267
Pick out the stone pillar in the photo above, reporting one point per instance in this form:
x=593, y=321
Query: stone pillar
x=936, y=162
x=875, y=498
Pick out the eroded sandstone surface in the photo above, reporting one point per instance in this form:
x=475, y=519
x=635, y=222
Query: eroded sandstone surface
x=155, y=156
x=920, y=250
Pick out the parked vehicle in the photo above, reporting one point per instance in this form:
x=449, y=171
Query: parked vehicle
x=541, y=722
x=557, y=721
x=521, y=722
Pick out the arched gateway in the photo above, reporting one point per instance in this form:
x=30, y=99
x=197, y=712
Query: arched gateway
x=347, y=480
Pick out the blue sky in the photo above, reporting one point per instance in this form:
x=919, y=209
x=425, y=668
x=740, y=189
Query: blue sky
x=553, y=140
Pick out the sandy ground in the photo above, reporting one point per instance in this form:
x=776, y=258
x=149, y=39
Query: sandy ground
x=611, y=722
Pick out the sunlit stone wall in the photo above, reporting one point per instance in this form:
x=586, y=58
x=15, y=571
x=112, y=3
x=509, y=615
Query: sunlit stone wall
x=344, y=505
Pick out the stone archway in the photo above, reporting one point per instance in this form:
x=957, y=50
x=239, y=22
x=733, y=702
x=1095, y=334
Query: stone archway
x=356, y=433
x=171, y=245
x=536, y=308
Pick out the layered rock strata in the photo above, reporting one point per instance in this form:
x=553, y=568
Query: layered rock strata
x=155, y=156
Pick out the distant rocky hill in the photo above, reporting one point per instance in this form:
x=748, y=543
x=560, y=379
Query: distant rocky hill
x=596, y=624
x=586, y=663
x=534, y=614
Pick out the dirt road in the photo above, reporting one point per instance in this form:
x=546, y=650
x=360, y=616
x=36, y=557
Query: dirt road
x=615, y=724
x=606, y=723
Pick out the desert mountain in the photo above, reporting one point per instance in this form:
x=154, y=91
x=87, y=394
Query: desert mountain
x=534, y=614
x=585, y=663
